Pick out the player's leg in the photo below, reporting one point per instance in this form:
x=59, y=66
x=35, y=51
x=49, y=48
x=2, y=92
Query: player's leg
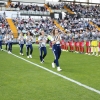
x=40, y=50
x=27, y=50
x=45, y=53
x=57, y=58
x=75, y=47
x=99, y=48
x=66, y=44
x=31, y=50
x=89, y=47
x=6, y=46
x=70, y=49
x=93, y=48
x=55, y=52
x=80, y=47
x=62, y=45
x=72, y=46
x=87, y=44
x=96, y=48
x=0, y=45
x=9, y=51
x=59, y=51
x=11, y=47
x=22, y=49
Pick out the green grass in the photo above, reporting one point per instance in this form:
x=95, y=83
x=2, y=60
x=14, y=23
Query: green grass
x=20, y=80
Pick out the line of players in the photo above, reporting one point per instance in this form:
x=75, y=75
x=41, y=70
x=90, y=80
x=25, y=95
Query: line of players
x=82, y=41
x=8, y=39
x=42, y=39
x=73, y=40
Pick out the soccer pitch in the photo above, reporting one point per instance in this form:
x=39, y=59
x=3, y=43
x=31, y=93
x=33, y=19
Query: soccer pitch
x=22, y=78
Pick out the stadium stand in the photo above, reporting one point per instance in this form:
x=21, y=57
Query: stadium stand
x=4, y=26
x=13, y=28
x=69, y=23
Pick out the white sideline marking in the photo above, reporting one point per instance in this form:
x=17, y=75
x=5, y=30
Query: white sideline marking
x=69, y=79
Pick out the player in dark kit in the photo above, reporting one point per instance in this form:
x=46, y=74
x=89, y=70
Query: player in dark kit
x=21, y=43
x=1, y=39
x=29, y=48
x=56, y=48
x=42, y=39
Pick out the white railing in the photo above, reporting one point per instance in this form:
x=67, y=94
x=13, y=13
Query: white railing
x=34, y=12
x=24, y=11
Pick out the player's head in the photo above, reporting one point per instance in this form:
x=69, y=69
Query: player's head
x=28, y=33
x=55, y=31
x=94, y=29
x=10, y=33
x=87, y=29
x=6, y=33
x=42, y=32
x=21, y=34
x=81, y=31
x=68, y=31
x=75, y=32
x=65, y=32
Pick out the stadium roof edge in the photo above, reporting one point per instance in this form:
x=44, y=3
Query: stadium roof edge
x=78, y=2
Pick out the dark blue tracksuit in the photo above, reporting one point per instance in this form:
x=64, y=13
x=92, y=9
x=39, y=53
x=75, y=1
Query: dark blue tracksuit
x=21, y=43
x=27, y=49
x=43, y=52
x=56, y=48
x=6, y=45
x=29, y=46
x=0, y=44
x=10, y=46
x=10, y=43
x=21, y=48
x=1, y=38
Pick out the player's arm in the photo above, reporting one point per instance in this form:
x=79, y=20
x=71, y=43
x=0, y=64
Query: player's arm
x=4, y=39
x=52, y=40
x=19, y=38
x=31, y=38
x=26, y=38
